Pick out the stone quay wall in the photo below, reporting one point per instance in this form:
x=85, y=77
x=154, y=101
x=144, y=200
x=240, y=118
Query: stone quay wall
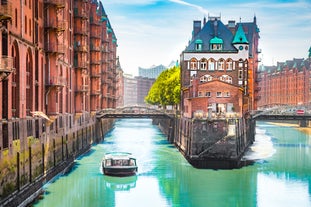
x=40, y=149
x=211, y=144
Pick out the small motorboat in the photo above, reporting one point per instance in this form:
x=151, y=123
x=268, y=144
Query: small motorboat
x=119, y=164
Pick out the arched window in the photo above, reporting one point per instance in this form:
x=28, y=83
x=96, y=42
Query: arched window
x=203, y=64
x=221, y=64
x=211, y=64
x=206, y=78
x=229, y=64
x=193, y=64
x=226, y=78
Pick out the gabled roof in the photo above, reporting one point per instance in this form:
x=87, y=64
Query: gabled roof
x=212, y=29
x=240, y=37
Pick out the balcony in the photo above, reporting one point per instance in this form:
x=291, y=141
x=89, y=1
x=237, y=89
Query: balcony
x=6, y=67
x=57, y=3
x=59, y=26
x=82, y=89
x=56, y=81
x=6, y=11
x=55, y=48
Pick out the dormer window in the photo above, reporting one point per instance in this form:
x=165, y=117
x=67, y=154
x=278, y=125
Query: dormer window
x=216, y=44
x=198, y=45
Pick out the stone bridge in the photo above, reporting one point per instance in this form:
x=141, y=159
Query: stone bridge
x=135, y=112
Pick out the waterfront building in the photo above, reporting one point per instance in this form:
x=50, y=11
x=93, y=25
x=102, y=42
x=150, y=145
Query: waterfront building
x=130, y=90
x=219, y=68
x=119, y=85
x=143, y=86
x=57, y=68
x=286, y=84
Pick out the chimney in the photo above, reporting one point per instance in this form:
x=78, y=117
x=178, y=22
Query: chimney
x=196, y=27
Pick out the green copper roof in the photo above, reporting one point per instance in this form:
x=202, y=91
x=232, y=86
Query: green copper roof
x=310, y=52
x=198, y=41
x=216, y=40
x=239, y=36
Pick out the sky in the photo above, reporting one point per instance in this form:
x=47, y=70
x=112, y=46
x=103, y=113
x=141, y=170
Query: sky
x=154, y=32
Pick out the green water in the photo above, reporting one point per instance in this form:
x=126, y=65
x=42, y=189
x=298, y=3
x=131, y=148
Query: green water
x=280, y=177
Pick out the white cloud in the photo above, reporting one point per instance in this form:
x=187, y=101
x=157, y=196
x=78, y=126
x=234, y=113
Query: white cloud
x=199, y=8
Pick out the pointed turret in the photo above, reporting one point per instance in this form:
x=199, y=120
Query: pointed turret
x=240, y=37
x=309, y=53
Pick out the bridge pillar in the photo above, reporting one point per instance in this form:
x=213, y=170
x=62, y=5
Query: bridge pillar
x=303, y=123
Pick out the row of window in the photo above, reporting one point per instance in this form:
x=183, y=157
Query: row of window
x=224, y=78
x=218, y=94
x=212, y=64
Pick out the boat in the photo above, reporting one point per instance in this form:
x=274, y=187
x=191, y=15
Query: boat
x=119, y=164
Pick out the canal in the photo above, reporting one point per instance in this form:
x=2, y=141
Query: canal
x=281, y=175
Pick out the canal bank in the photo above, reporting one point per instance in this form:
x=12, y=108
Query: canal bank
x=44, y=149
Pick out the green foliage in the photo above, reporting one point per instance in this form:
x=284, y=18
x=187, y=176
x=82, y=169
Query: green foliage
x=166, y=88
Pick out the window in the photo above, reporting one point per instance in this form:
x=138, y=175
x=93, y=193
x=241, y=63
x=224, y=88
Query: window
x=198, y=45
x=206, y=78
x=227, y=94
x=218, y=94
x=25, y=24
x=221, y=64
x=193, y=64
x=203, y=64
x=226, y=78
x=30, y=27
x=211, y=64
x=216, y=44
x=208, y=94
x=229, y=64
x=200, y=93
x=16, y=18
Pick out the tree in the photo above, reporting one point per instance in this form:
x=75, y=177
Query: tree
x=166, y=89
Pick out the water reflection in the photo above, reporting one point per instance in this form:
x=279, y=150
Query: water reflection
x=120, y=183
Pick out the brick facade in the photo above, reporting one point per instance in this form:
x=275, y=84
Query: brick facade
x=287, y=83
x=60, y=58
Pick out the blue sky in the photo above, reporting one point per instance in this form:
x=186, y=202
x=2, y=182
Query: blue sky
x=153, y=32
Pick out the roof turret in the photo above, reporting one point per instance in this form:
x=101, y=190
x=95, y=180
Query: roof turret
x=240, y=37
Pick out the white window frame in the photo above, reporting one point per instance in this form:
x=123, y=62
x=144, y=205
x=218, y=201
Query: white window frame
x=218, y=94
x=211, y=65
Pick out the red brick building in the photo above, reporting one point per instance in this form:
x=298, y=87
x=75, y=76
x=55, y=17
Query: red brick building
x=57, y=68
x=287, y=83
x=218, y=68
